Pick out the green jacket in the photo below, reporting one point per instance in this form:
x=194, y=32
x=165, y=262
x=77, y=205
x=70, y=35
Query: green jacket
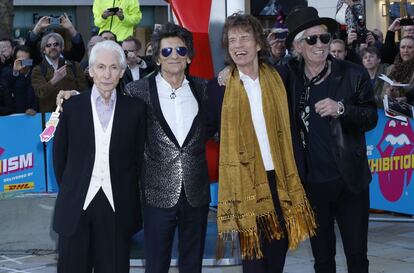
x=121, y=28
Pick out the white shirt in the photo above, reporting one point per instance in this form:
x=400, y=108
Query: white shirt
x=135, y=72
x=254, y=93
x=55, y=66
x=179, y=112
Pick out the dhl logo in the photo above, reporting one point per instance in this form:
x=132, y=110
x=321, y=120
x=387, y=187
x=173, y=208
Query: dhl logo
x=19, y=187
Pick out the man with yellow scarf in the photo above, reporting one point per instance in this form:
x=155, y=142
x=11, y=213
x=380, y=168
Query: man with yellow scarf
x=261, y=198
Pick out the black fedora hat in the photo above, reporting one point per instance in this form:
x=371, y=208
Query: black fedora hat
x=305, y=18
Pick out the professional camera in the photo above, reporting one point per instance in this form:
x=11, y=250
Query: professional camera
x=361, y=30
x=406, y=21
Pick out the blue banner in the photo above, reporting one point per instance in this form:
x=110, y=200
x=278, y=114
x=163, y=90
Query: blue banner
x=390, y=148
x=52, y=185
x=21, y=154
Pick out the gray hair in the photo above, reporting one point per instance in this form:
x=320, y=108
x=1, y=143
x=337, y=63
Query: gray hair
x=110, y=46
x=296, y=40
x=55, y=36
x=299, y=36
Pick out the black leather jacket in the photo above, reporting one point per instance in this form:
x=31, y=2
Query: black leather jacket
x=348, y=83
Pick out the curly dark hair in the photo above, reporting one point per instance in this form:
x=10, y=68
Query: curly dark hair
x=171, y=30
x=250, y=24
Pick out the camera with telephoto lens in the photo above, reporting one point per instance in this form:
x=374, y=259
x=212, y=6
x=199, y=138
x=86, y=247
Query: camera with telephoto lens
x=406, y=21
x=361, y=30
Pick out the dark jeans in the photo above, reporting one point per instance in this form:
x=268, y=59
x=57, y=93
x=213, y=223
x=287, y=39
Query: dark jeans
x=96, y=242
x=274, y=251
x=333, y=201
x=159, y=230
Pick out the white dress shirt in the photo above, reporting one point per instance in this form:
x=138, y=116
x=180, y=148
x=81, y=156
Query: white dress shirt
x=135, y=72
x=254, y=93
x=180, y=111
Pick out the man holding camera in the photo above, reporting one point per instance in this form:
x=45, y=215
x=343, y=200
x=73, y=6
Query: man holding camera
x=55, y=73
x=77, y=50
x=277, y=39
x=137, y=67
x=117, y=16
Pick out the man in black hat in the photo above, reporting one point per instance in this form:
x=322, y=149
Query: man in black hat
x=333, y=106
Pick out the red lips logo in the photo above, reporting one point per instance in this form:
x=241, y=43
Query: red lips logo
x=395, y=167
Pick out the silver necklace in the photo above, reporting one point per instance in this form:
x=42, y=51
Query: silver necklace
x=173, y=95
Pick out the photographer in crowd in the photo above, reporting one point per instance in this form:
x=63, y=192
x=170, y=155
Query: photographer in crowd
x=21, y=83
x=138, y=67
x=120, y=18
x=74, y=53
x=277, y=42
x=55, y=73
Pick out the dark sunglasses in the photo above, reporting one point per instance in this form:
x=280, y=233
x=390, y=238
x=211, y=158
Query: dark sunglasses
x=54, y=45
x=312, y=39
x=181, y=50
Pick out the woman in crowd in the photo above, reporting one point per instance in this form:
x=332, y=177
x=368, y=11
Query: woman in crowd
x=402, y=69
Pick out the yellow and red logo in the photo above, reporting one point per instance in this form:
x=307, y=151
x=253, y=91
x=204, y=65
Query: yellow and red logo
x=19, y=187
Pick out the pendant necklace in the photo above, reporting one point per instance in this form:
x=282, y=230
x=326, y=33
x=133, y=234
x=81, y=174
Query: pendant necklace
x=173, y=95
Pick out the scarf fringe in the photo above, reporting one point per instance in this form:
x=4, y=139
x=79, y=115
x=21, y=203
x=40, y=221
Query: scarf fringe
x=270, y=226
x=249, y=239
x=300, y=224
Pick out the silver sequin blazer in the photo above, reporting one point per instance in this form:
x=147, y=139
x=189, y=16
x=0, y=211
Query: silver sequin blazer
x=167, y=167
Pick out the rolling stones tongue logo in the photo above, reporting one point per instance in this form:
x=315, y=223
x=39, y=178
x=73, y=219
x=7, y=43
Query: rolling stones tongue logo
x=396, y=164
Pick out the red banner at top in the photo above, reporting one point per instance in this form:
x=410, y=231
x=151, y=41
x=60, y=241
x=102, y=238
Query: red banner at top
x=194, y=15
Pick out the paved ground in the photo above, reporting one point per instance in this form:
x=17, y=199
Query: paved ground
x=391, y=250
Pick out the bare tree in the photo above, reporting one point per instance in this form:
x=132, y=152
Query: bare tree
x=6, y=18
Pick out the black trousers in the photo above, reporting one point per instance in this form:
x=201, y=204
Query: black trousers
x=274, y=252
x=96, y=243
x=159, y=231
x=333, y=201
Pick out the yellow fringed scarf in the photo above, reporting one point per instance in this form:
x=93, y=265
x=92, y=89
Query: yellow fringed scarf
x=245, y=201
